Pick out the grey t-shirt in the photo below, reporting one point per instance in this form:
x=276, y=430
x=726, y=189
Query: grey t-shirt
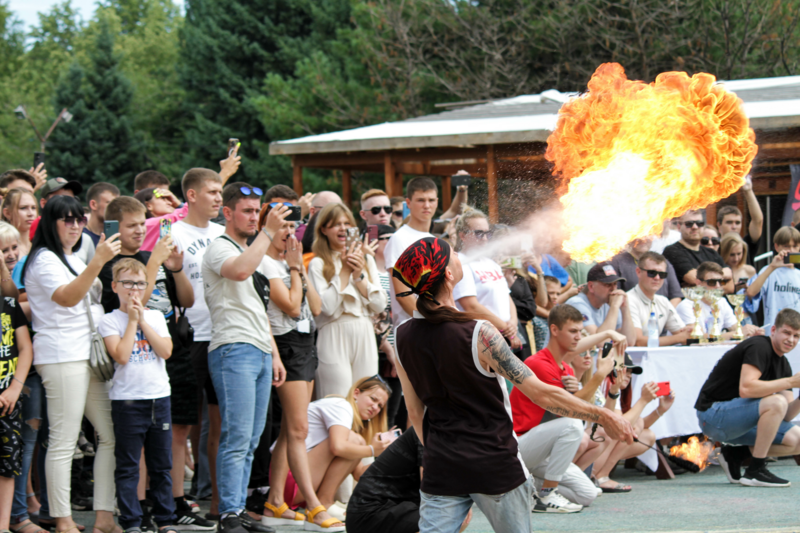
x=237, y=312
x=592, y=316
x=280, y=321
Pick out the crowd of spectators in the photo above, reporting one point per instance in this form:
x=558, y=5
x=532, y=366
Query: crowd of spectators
x=263, y=342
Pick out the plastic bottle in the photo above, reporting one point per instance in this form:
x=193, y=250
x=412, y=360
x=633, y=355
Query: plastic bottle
x=652, y=331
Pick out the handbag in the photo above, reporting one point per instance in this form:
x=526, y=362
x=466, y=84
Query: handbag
x=99, y=361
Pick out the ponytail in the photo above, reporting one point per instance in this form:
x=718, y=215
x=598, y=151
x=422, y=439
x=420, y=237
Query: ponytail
x=437, y=314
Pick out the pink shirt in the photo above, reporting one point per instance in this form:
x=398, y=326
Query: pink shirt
x=153, y=226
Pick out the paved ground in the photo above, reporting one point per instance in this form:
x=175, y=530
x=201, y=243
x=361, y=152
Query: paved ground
x=690, y=502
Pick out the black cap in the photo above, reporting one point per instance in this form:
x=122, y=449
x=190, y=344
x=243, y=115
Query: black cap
x=604, y=272
x=56, y=184
x=385, y=229
x=629, y=365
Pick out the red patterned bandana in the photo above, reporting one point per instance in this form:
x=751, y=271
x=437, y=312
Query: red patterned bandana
x=422, y=265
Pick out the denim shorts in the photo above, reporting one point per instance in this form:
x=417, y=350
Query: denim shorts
x=736, y=421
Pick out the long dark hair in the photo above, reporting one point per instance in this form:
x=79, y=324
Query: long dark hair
x=46, y=237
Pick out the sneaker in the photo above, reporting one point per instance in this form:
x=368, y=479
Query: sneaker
x=133, y=530
x=85, y=446
x=147, y=519
x=250, y=524
x=730, y=459
x=553, y=502
x=763, y=478
x=231, y=524
x=255, y=502
x=79, y=503
x=189, y=521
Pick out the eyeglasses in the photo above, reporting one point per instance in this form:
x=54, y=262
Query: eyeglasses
x=718, y=282
x=705, y=241
x=385, y=238
x=693, y=223
x=398, y=213
x=654, y=273
x=247, y=191
x=276, y=204
x=480, y=234
x=386, y=209
x=73, y=220
x=130, y=284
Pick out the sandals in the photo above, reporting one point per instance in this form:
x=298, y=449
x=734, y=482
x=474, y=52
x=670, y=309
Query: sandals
x=51, y=524
x=615, y=489
x=338, y=510
x=277, y=516
x=326, y=525
x=26, y=528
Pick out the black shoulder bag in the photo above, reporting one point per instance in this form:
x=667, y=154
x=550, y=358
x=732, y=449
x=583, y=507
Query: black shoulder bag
x=260, y=281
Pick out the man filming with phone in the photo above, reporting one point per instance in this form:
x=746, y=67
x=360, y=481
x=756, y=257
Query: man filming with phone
x=778, y=284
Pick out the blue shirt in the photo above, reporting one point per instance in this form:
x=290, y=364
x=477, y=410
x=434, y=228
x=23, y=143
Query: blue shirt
x=551, y=267
x=16, y=276
x=781, y=290
x=592, y=316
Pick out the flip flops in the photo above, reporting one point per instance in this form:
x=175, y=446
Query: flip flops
x=611, y=490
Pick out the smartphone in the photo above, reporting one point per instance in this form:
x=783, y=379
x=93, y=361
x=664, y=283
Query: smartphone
x=352, y=236
x=38, y=159
x=406, y=210
x=372, y=232
x=110, y=227
x=792, y=258
x=606, y=350
x=166, y=228
x=390, y=436
x=233, y=146
x=460, y=180
x=295, y=213
x=663, y=388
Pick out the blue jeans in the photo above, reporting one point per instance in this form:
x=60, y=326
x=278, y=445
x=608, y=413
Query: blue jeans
x=33, y=408
x=507, y=513
x=736, y=421
x=242, y=377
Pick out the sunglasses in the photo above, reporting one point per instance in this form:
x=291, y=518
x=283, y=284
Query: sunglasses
x=72, y=220
x=654, y=273
x=247, y=191
x=480, y=234
x=276, y=204
x=386, y=209
x=398, y=213
x=718, y=282
x=705, y=241
x=130, y=284
x=693, y=223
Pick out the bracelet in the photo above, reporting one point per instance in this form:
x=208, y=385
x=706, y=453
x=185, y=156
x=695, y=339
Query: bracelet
x=264, y=229
x=658, y=413
x=613, y=396
x=18, y=381
x=175, y=271
x=371, y=448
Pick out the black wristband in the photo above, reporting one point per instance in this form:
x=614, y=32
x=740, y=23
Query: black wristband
x=613, y=396
x=175, y=271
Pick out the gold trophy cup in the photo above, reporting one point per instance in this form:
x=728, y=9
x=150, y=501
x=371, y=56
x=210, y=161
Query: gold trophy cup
x=715, y=297
x=737, y=300
x=695, y=295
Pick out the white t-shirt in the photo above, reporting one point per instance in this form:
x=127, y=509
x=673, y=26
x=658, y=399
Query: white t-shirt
x=686, y=312
x=235, y=308
x=145, y=375
x=62, y=333
x=400, y=240
x=324, y=413
x=483, y=278
x=193, y=242
x=659, y=243
x=281, y=322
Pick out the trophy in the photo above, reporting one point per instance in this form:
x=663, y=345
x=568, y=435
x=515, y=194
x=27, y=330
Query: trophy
x=695, y=295
x=714, y=297
x=737, y=300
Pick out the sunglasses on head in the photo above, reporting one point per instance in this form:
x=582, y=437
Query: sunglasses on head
x=716, y=282
x=158, y=194
x=654, y=273
x=386, y=209
x=276, y=204
x=705, y=241
x=72, y=219
x=693, y=223
x=247, y=191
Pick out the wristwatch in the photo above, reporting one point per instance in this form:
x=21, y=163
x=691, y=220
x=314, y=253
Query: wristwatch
x=361, y=277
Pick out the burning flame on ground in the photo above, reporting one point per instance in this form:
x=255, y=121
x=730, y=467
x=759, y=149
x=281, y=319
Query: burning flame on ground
x=633, y=154
x=695, y=451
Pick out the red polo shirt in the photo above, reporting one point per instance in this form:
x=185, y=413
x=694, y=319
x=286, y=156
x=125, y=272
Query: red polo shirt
x=527, y=414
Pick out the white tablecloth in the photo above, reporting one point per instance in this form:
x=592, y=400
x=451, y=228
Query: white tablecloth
x=686, y=368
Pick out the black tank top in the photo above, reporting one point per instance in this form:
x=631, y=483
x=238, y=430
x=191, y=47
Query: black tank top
x=470, y=445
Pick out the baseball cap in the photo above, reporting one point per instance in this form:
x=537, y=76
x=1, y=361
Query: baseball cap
x=604, y=272
x=56, y=184
x=629, y=365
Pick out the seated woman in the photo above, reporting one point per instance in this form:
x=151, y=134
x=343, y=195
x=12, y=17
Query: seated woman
x=338, y=432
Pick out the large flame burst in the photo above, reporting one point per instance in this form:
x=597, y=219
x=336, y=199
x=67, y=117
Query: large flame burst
x=633, y=154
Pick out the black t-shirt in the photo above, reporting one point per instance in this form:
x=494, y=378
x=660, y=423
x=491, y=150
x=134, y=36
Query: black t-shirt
x=683, y=259
x=522, y=296
x=722, y=384
x=393, y=476
x=159, y=299
x=11, y=317
x=752, y=247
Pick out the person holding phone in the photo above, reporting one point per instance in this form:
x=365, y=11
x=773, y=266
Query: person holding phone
x=734, y=252
x=775, y=282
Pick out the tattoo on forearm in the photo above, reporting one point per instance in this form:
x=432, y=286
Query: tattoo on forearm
x=494, y=345
x=580, y=415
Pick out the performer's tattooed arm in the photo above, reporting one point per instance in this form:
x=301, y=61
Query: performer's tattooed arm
x=499, y=356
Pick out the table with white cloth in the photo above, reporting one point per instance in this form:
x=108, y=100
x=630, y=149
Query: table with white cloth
x=686, y=368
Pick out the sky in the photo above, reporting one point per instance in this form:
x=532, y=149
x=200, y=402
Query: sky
x=26, y=10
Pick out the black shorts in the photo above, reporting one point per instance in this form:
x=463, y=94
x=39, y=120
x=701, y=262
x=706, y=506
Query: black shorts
x=11, y=442
x=299, y=355
x=199, y=351
x=386, y=517
x=184, y=387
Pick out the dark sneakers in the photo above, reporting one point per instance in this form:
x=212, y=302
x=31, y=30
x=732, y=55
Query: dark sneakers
x=731, y=461
x=186, y=520
x=231, y=524
x=762, y=477
x=252, y=525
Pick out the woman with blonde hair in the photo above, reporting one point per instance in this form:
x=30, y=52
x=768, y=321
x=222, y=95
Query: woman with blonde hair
x=19, y=210
x=341, y=432
x=346, y=279
x=733, y=250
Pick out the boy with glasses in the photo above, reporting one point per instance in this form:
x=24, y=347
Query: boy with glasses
x=687, y=254
x=138, y=341
x=778, y=284
x=710, y=276
x=375, y=207
x=644, y=299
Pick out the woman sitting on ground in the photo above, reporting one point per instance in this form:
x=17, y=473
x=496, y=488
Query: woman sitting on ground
x=338, y=432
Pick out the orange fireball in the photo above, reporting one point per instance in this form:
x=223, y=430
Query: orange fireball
x=632, y=155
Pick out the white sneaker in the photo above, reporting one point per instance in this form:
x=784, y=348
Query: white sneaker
x=554, y=502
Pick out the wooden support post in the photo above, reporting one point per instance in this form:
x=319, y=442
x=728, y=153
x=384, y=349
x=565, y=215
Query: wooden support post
x=297, y=178
x=711, y=215
x=491, y=182
x=447, y=193
x=399, y=190
x=389, y=175
x=347, y=188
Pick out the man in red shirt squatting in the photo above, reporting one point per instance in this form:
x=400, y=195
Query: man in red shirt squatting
x=548, y=442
